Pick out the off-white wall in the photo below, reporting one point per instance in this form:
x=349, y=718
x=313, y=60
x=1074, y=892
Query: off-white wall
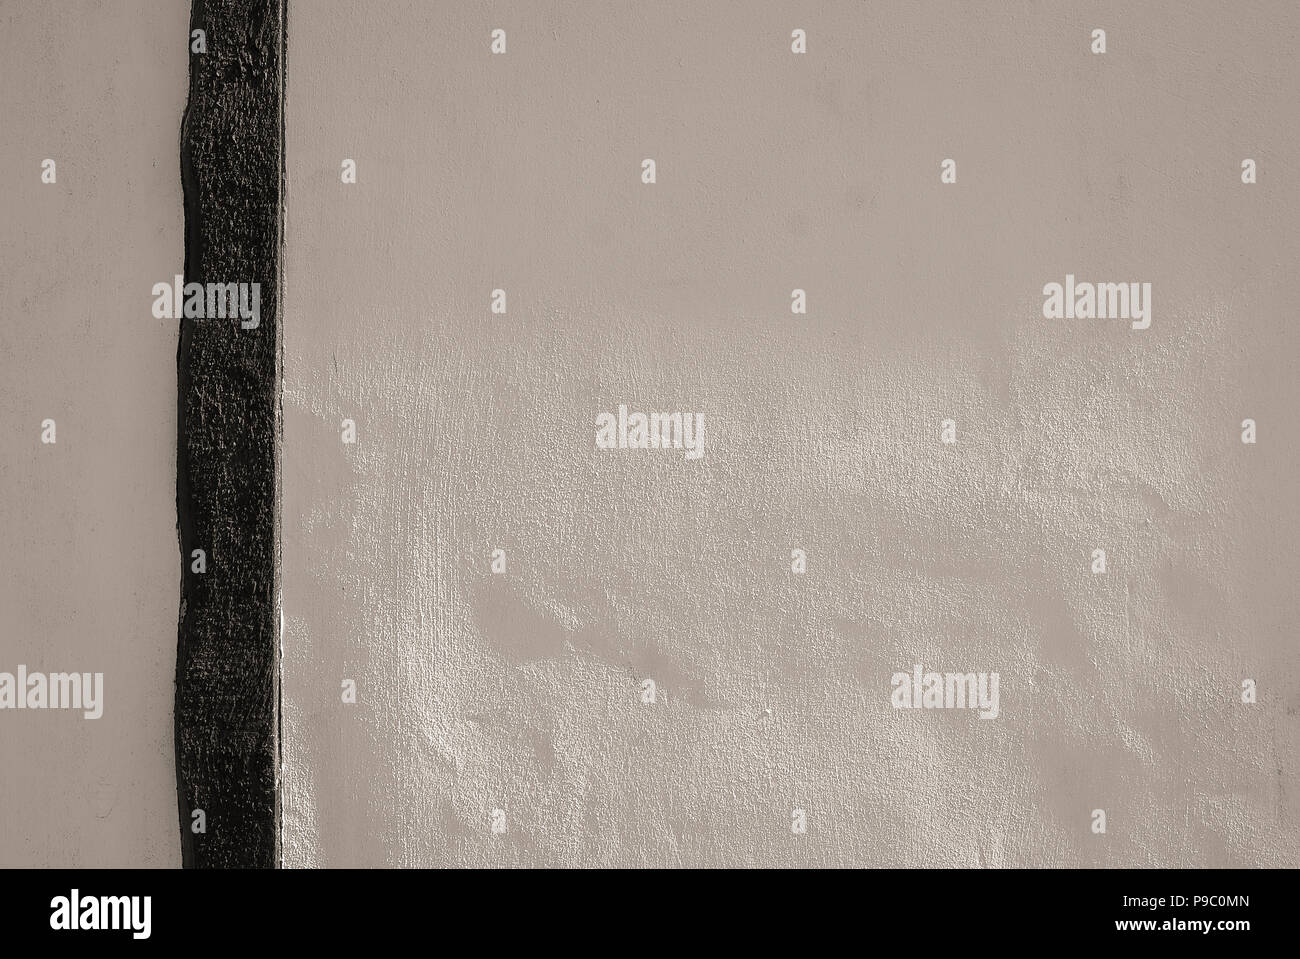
x=520, y=691
x=475, y=431
x=91, y=567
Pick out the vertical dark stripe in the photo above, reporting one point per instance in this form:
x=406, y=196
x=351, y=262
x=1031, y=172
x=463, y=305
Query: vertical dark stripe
x=227, y=657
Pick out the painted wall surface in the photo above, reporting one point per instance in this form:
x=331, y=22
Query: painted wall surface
x=520, y=691
x=91, y=565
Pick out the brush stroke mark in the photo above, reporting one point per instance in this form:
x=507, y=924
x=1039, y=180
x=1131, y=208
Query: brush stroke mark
x=227, y=657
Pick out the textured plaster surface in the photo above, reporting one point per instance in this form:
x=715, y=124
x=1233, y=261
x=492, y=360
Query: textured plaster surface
x=475, y=431
x=90, y=569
